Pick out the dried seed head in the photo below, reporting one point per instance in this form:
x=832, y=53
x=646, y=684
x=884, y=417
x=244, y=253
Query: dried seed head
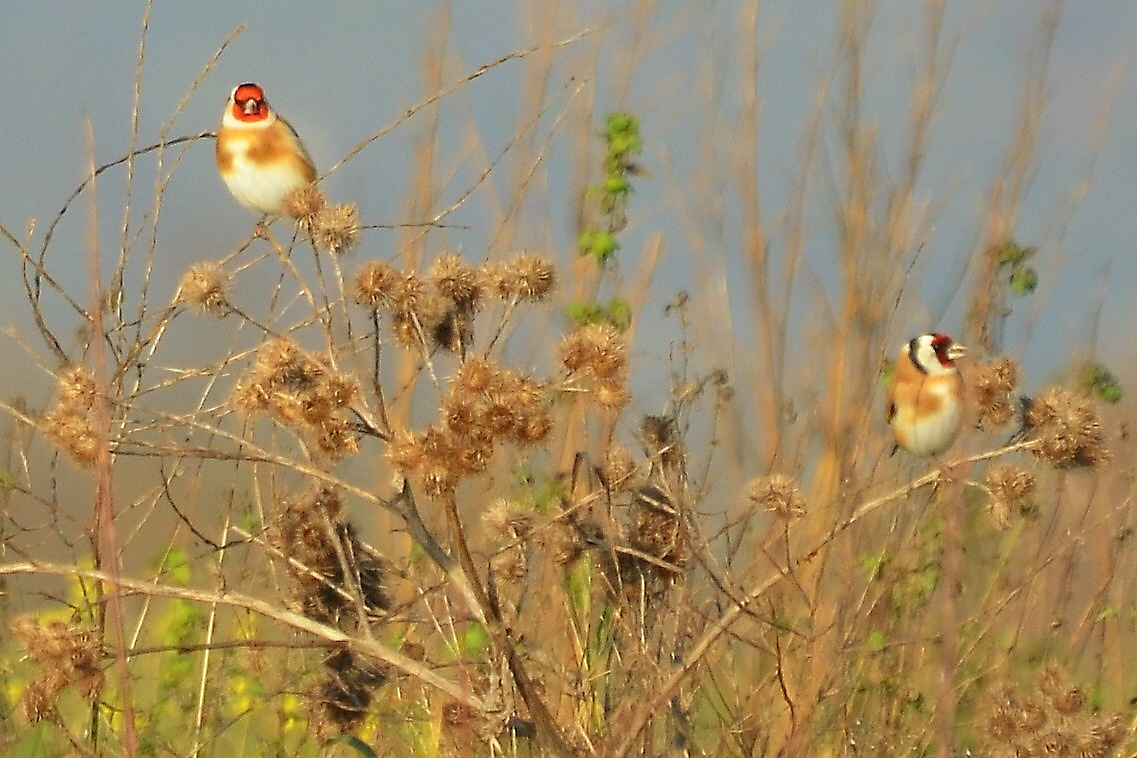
x=334, y=437
x=67, y=655
x=619, y=469
x=475, y=375
x=508, y=520
x=1067, y=428
x=532, y=428
x=406, y=292
x=777, y=494
x=302, y=392
x=374, y=284
x=335, y=228
x=612, y=395
x=531, y=276
x=203, y=285
x=456, y=281
x=597, y=350
x=406, y=453
x=72, y=431
x=655, y=526
x=76, y=388
x=992, y=386
x=303, y=203
x=1065, y=698
x=1011, y=489
x=660, y=438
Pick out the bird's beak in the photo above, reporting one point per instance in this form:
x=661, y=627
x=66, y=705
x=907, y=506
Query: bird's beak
x=251, y=106
x=956, y=351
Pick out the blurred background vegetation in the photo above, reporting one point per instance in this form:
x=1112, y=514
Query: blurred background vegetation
x=577, y=446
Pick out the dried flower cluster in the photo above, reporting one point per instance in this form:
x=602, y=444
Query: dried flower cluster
x=331, y=228
x=1069, y=431
x=992, y=386
x=484, y=405
x=619, y=469
x=313, y=532
x=66, y=655
x=653, y=552
x=656, y=526
x=1012, y=490
x=299, y=391
x=660, y=438
x=1051, y=722
x=776, y=493
x=321, y=546
x=70, y=424
x=528, y=277
x=203, y=285
x=438, y=310
x=596, y=359
x=509, y=522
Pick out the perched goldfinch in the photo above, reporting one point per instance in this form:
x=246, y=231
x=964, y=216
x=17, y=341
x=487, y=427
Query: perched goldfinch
x=259, y=154
x=925, y=398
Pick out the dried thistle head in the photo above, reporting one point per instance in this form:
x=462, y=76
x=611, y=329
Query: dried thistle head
x=374, y=283
x=300, y=391
x=1056, y=723
x=530, y=276
x=71, y=430
x=303, y=203
x=777, y=494
x=68, y=655
x=70, y=425
x=433, y=457
x=283, y=363
x=992, y=387
x=335, y=228
x=456, y=280
x=476, y=375
x=619, y=469
x=660, y=438
x=203, y=285
x=1064, y=697
x=1068, y=430
x=1011, y=488
x=76, y=387
x=595, y=350
x=656, y=525
x=313, y=532
x=508, y=520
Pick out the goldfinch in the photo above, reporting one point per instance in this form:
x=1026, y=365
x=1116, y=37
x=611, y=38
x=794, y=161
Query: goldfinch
x=259, y=155
x=924, y=404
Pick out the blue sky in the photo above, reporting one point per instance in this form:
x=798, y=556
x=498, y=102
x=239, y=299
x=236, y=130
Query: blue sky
x=339, y=71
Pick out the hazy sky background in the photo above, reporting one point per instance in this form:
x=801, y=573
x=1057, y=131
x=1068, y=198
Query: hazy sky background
x=340, y=71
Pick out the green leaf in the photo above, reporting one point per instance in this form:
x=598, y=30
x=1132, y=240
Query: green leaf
x=1024, y=281
x=619, y=313
x=876, y=640
x=577, y=583
x=475, y=639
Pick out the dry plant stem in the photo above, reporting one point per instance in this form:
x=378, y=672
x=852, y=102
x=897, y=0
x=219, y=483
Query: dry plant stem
x=548, y=733
x=367, y=648
x=627, y=726
x=207, y=654
x=448, y=90
x=350, y=575
x=105, y=540
x=949, y=625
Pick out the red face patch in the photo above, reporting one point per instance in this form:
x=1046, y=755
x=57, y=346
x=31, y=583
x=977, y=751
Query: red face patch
x=940, y=344
x=248, y=102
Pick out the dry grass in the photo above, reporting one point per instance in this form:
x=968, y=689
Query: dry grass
x=405, y=501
